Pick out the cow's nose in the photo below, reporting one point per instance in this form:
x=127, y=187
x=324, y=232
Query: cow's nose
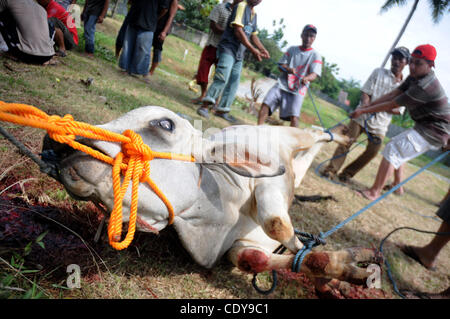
x=53, y=152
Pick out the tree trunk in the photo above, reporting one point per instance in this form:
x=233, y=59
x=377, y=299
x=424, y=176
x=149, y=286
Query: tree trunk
x=113, y=11
x=401, y=32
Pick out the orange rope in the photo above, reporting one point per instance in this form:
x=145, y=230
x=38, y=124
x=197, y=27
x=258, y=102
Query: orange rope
x=133, y=161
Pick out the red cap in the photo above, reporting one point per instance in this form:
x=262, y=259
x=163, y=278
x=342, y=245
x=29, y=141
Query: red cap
x=425, y=51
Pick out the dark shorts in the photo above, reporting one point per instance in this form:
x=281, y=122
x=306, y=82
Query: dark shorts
x=68, y=37
x=444, y=211
x=290, y=104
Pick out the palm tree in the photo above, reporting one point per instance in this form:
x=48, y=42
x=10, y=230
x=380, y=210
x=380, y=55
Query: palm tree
x=438, y=8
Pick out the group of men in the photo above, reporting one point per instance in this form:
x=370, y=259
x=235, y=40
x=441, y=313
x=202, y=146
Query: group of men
x=233, y=30
x=146, y=25
x=385, y=93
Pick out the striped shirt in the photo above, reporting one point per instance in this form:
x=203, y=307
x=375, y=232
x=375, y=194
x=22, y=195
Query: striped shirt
x=428, y=106
x=243, y=16
x=380, y=82
x=219, y=14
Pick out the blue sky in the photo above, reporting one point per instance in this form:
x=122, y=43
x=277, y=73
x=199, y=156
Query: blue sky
x=354, y=35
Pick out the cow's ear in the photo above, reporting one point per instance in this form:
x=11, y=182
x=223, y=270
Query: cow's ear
x=243, y=159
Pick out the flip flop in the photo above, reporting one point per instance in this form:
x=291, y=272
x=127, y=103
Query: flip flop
x=410, y=252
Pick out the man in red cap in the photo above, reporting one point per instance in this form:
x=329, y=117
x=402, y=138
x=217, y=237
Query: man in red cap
x=424, y=98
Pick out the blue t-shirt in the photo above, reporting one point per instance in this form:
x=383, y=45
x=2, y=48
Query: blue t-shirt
x=243, y=16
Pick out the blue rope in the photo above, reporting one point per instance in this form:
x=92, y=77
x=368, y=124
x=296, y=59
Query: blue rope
x=388, y=267
x=302, y=253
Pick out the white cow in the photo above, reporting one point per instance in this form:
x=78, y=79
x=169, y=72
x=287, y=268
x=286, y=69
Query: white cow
x=224, y=204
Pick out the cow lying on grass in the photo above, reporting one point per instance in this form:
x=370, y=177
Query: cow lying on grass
x=234, y=200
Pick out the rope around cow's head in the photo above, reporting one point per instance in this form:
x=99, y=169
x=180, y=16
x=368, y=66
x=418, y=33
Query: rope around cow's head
x=133, y=161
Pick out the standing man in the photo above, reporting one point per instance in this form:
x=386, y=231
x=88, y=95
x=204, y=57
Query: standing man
x=94, y=12
x=425, y=100
x=218, y=23
x=137, y=45
x=236, y=39
x=427, y=255
x=380, y=82
x=162, y=30
x=300, y=65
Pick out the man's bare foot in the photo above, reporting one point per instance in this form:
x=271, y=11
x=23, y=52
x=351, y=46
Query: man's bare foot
x=420, y=255
x=400, y=191
x=368, y=194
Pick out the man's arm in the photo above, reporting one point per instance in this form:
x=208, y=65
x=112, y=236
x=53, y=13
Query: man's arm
x=239, y=32
x=374, y=108
x=387, y=97
x=309, y=78
x=104, y=11
x=172, y=12
x=216, y=28
x=365, y=99
x=264, y=53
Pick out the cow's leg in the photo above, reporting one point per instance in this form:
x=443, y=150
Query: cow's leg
x=273, y=217
x=348, y=265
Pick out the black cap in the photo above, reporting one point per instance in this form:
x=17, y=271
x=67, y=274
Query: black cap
x=309, y=27
x=402, y=51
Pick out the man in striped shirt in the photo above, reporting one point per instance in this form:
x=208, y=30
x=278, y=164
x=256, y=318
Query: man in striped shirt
x=427, y=103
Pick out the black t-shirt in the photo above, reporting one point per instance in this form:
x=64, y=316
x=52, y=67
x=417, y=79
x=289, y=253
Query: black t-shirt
x=144, y=13
x=94, y=7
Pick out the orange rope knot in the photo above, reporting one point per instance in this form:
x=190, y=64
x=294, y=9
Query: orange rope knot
x=133, y=161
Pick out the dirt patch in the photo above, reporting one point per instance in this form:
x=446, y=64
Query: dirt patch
x=21, y=223
x=308, y=119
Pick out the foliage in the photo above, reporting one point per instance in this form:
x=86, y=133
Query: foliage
x=353, y=88
x=438, y=7
x=328, y=83
x=274, y=43
x=196, y=13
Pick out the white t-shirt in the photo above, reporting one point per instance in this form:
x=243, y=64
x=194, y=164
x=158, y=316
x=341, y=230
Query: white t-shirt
x=304, y=62
x=380, y=82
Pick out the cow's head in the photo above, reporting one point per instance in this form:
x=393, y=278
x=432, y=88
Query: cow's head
x=163, y=131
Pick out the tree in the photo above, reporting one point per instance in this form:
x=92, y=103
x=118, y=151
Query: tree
x=327, y=83
x=196, y=13
x=438, y=7
x=274, y=43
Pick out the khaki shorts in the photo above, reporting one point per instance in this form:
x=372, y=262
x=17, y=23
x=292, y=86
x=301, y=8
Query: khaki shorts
x=405, y=147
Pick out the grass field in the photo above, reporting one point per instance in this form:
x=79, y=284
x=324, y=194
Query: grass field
x=156, y=266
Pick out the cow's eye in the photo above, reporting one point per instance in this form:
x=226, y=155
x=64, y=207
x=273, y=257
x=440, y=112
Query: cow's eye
x=165, y=124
